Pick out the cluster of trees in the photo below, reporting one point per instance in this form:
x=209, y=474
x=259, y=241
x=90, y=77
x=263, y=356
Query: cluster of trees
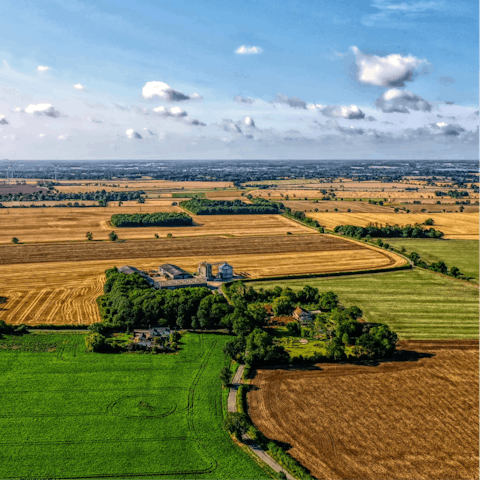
x=101, y=196
x=452, y=194
x=301, y=217
x=157, y=219
x=283, y=300
x=389, y=231
x=7, y=329
x=129, y=302
x=440, y=267
x=203, y=206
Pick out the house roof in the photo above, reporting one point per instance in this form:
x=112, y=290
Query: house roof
x=299, y=310
x=173, y=269
x=129, y=270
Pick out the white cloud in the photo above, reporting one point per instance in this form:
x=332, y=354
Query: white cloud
x=240, y=99
x=448, y=129
x=170, y=112
x=42, y=109
x=79, y=86
x=293, y=102
x=3, y=120
x=41, y=135
x=390, y=71
x=43, y=68
x=351, y=112
x=153, y=90
x=248, y=121
x=401, y=101
x=131, y=133
x=246, y=50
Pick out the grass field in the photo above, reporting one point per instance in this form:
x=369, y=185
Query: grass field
x=415, y=303
x=415, y=418
x=58, y=283
x=455, y=226
x=462, y=254
x=67, y=224
x=68, y=414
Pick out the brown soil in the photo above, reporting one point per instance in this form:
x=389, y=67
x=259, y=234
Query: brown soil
x=413, y=418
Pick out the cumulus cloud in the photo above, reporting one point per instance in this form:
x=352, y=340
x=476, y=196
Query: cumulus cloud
x=401, y=101
x=170, y=112
x=228, y=125
x=42, y=109
x=3, y=120
x=153, y=90
x=448, y=129
x=240, y=99
x=246, y=50
x=194, y=121
x=390, y=71
x=79, y=86
x=131, y=133
x=293, y=102
x=351, y=112
x=446, y=81
x=43, y=68
x=248, y=121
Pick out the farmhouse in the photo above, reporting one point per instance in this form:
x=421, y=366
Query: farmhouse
x=302, y=315
x=173, y=272
x=145, y=338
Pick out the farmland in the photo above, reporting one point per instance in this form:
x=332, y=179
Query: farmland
x=99, y=415
x=417, y=304
x=67, y=224
x=462, y=254
x=415, y=418
x=455, y=226
x=54, y=283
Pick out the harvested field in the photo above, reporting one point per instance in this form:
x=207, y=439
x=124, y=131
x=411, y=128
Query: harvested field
x=67, y=224
x=61, y=282
x=414, y=418
x=460, y=226
x=14, y=189
x=322, y=206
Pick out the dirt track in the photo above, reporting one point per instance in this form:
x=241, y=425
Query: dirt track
x=416, y=418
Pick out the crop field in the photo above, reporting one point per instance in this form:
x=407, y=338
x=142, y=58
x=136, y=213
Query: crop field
x=58, y=283
x=67, y=224
x=322, y=206
x=417, y=304
x=462, y=254
x=414, y=418
x=70, y=414
x=459, y=226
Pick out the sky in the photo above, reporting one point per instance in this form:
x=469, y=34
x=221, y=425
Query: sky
x=375, y=79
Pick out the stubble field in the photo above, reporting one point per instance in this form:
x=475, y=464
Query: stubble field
x=58, y=283
x=415, y=418
x=459, y=225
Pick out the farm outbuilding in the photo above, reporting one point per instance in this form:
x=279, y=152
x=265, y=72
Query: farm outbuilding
x=225, y=271
x=302, y=315
x=173, y=272
x=129, y=270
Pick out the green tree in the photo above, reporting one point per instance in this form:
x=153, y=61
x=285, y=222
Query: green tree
x=429, y=221
x=237, y=424
x=95, y=342
x=113, y=236
x=455, y=272
x=89, y=236
x=225, y=375
x=15, y=240
x=282, y=305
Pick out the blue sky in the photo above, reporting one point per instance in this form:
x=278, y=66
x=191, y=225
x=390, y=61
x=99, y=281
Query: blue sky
x=395, y=62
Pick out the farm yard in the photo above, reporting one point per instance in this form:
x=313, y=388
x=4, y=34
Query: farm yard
x=99, y=415
x=71, y=224
x=417, y=304
x=458, y=226
x=58, y=283
x=421, y=422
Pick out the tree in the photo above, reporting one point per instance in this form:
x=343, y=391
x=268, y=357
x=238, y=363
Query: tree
x=95, y=342
x=429, y=221
x=225, y=375
x=237, y=424
x=89, y=236
x=354, y=312
x=455, y=272
x=282, y=305
x=113, y=236
x=280, y=476
x=328, y=301
x=15, y=240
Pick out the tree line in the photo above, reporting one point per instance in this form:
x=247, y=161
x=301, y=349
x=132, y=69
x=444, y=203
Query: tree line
x=101, y=196
x=451, y=193
x=203, y=206
x=157, y=219
x=389, y=231
x=301, y=217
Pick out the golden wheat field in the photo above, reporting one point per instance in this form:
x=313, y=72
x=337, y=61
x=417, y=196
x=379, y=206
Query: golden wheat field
x=72, y=224
x=454, y=226
x=415, y=418
x=58, y=283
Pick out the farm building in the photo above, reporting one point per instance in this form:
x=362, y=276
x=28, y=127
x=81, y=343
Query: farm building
x=145, y=338
x=173, y=272
x=224, y=272
x=185, y=283
x=302, y=315
x=129, y=270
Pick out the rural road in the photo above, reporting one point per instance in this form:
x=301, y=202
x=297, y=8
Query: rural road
x=256, y=449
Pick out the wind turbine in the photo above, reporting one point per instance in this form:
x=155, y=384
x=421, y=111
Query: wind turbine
x=55, y=167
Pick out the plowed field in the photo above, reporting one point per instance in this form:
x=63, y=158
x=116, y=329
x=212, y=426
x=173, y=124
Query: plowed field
x=412, y=419
x=58, y=283
x=458, y=225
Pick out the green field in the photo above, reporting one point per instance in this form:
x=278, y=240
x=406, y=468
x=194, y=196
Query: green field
x=69, y=414
x=462, y=254
x=417, y=304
